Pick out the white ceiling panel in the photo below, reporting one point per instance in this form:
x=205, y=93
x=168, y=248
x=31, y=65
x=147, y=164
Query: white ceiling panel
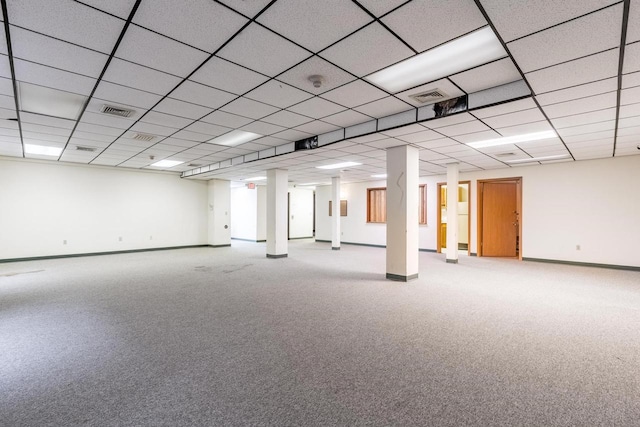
x=346, y=118
x=510, y=107
x=587, y=129
x=206, y=96
x=136, y=76
x=247, y=8
x=207, y=129
x=55, y=53
x=584, y=36
x=286, y=119
x=486, y=76
x=5, y=68
x=630, y=110
x=124, y=95
x=192, y=136
x=223, y=118
x=316, y=127
x=579, y=139
x=278, y=94
x=151, y=129
x=379, y=8
x=422, y=136
x=142, y=46
x=45, y=129
x=67, y=20
x=409, y=23
x=355, y=93
x=586, y=118
x=163, y=119
x=103, y=130
x=515, y=19
x=592, y=103
x=404, y=130
x=332, y=76
x=631, y=58
x=50, y=77
x=464, y=128
x=633, y=27
x=368, y=50
x=180, y=142
x=192, y=24
x=292, y=135
x=540, y=126
x=262, y=128
x=448, y=121
x=316, y=108
x=6, y=86
x=577, y=92
x=631, y=80
x=383, y=107
x=311, y=23
x=46, y=120
x=227, y=76
x=249, y=108
x=182, y=109
x=263, y=51
x=119, y=8
x=579, y=71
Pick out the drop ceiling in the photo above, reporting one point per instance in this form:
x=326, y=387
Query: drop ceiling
x=191, y=74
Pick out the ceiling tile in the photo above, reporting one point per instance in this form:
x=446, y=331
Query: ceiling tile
x=463, y=128
x=584, y=105
x=630, y=80
x=507, y=107
x=587, y=129
x=540, y=126
x=408, y=21
x=182, y=109
x=133, y=75
x=207, y=128
x=316, y=127
x=584, y=36
x=224, y=75
x=46, y=120
x=166, y=120
x=368, y=50
x=448, y=121
x=262, y=128
x=314, y=24
x=487, y=76
x=249, y=108
x=513, y=119
x=355, y=93
x=422, y=136
x=316, y=108
x=55, y=53
x=142, y=46
x=192, y=24
x=292, y=135
x=152, y=129
x=50, y=77
x=346, y=118
x=516, y=19
x=278, y=94
x=579, y=71
x=577, y=92
x=247, y=8
x=299, y=75
x=192, y=136
x=197, y=93
x=383, y=107
x=631, y=58
x=5, y=68
x=586, y=118
x=222, y=118
x=124, y=95
x=120, y=8
x=286, y=119
x=263, y=51
x=67, y=20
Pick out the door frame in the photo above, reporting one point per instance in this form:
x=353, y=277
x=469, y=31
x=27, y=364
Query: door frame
x=518, y=182
x=439, y=219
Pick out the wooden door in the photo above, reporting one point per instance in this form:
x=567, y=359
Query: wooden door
x=500, y=219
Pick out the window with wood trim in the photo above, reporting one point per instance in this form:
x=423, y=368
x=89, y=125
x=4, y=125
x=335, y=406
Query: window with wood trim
x=377, y=204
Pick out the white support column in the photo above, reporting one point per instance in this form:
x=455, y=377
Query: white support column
x=335, y=213
x=219, y=226
x=452, y=213
x=277, y=188
x=402, y=213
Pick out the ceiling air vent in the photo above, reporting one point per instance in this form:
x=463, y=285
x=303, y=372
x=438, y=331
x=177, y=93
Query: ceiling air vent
x=116, y=111
x=81, y=148
x=194, y=165
x=143, y=137
x=505, y=154
x=429, y=96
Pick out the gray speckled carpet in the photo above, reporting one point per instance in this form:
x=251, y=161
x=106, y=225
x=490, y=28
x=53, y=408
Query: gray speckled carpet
x=228, y=337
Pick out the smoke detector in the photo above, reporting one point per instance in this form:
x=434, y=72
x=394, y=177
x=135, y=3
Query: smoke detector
x=116, y=111
x=317, y=80
x=429, y=96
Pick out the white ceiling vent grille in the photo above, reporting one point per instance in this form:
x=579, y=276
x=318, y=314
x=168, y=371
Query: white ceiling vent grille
x=116, y=111
x=144, y=137
x=505, y=154
x=81, y=148
x=429, y=96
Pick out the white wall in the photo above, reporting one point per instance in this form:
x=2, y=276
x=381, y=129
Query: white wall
x=261, y=231
x=44, y=203
x=301, y=213
x=594, y=204
x=244, y=222
x=219, y=228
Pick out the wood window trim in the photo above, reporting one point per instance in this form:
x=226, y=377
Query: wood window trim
x=343, y=208
x=377, y=205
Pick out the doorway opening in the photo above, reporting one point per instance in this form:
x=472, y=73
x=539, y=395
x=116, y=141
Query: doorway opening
x=499, y=218
x=464, y=219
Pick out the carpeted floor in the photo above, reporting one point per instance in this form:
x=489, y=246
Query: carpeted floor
x=225, y=336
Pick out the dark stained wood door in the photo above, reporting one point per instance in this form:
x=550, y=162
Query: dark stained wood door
x=499, y=219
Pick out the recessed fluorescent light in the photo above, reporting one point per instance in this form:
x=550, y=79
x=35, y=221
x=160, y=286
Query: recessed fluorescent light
x=538, y=159
x=166, y=163
x=528, y=137
x=469, y=51
x=43, y=150
x=51, y=102
x=339, y=165
x=381, y=175
x=234, y=138
x=256, y=178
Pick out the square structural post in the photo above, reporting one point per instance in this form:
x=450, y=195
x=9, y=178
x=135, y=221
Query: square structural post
x=452, y=213
x=335, y=213
x=402, y=213
x=219, y=218
x=277, y=221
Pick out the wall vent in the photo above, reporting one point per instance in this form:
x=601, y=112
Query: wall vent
x=429, y=96
x=116, y=111
x=143, y=137
x=81, y=148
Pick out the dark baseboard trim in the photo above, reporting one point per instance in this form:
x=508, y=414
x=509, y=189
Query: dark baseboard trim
x=220, y=246
x=428, y=250
x=128, y=251
x=452, y=261
x=334, y=248
x=243, y=240
x=324, y=241
x=401, y=278
x=473, y=254
x=277, y=256
x=300, y=238
x=261, y=241
x=584, y=264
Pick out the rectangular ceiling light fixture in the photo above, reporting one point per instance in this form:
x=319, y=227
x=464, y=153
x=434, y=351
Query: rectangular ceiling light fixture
x=515, y=139
x=381, y=175
x=49, y=102
x=339, y=165
x=166, y=163
x=256, y=178
x=539, y=159
x=42, y=150
x=233, y=138
x=476, y=48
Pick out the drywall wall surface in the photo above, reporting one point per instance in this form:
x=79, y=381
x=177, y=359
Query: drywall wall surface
x=261, y=228
x=52, y=209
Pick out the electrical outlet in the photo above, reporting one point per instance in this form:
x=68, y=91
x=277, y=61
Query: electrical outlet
x=64, y=242
x=577, y=247
x=120, y=239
